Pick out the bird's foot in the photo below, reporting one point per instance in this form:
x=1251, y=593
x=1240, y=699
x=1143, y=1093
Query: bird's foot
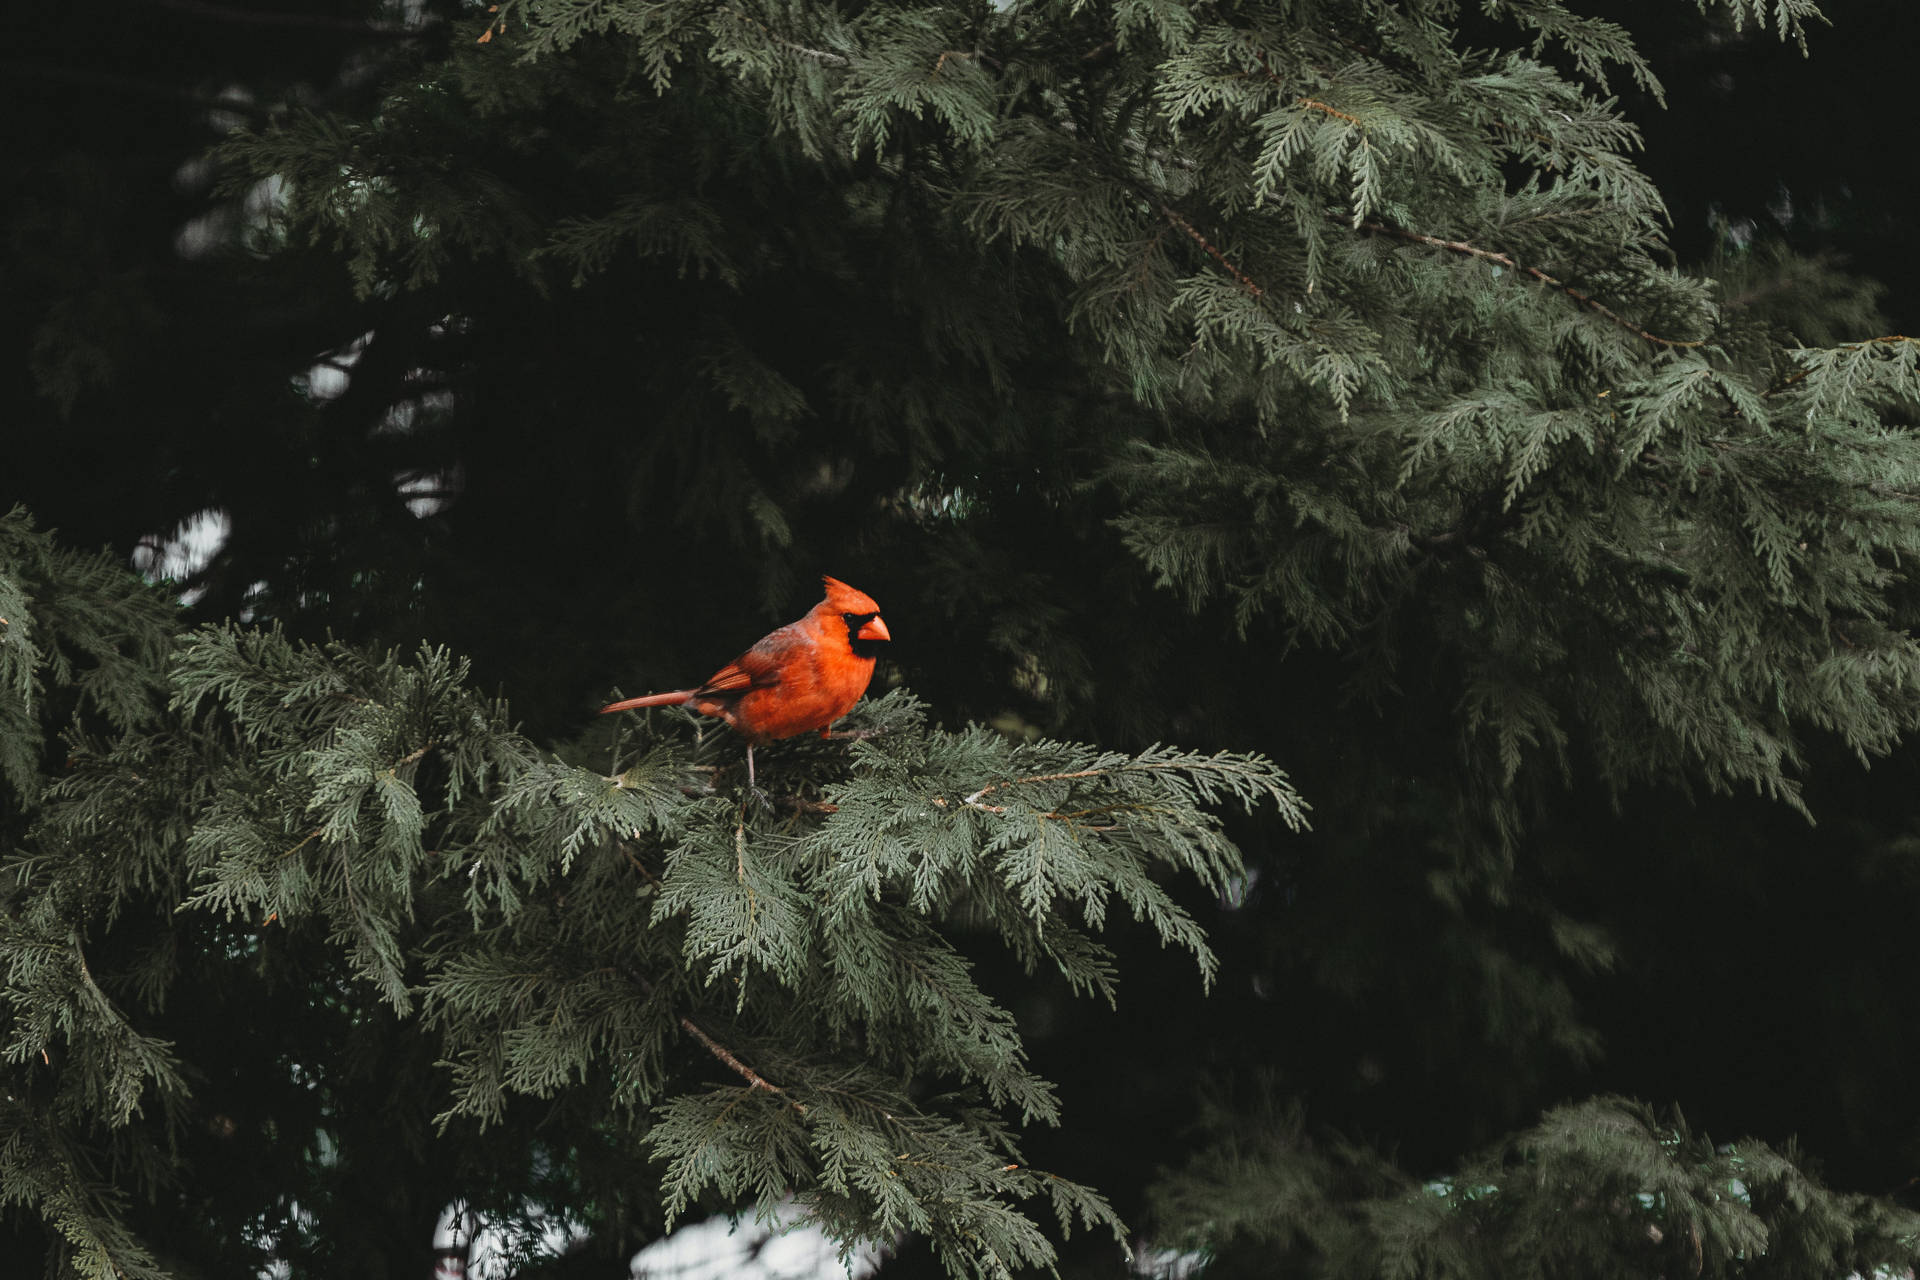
x=753, y=792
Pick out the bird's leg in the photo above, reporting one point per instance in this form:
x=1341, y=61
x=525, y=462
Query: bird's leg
x=753, y=785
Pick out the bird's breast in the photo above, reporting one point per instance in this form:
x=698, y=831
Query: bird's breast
x=810, y=695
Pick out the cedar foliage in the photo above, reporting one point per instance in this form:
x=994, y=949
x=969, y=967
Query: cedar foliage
x=1309, y=376
x=1653, y=1198
x=551, y=929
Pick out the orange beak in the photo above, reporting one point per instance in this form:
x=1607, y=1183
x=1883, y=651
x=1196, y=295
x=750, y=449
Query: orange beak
x=874, y=630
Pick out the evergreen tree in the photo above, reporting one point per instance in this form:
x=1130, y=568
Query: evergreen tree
x=1309, y=380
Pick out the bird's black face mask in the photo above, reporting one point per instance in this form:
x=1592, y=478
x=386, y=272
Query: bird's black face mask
x=863, y=636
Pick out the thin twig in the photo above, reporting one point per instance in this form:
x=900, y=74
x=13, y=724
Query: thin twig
x=1317, y=105
x=633, y=859
x=800, y=804
x=86, y=973
x=1886, y=490
x=747, y=1073
x=1487, y=255
x=805, y=51
x=1246, y=282
x=413, y=757
x=973, y=801
x=1312, y=104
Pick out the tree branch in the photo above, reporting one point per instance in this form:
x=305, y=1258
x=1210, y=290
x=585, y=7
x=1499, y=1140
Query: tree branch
x=1317, y=105
x=794, y=46
x=413, y=757
x=747, y=1073
x=1487, y=255
x=1245, y=281
x=973, y=801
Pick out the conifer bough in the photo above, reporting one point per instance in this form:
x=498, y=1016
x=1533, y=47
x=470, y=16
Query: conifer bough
x=539, y=929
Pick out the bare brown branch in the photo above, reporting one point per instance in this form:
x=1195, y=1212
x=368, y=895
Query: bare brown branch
x=1317, y=105
x=747, y=1073
x=1245, y=281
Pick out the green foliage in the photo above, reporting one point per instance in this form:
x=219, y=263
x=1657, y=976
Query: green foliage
x=1684, y=569
x=552, y=929
x=1396, y=301
x=1601, y=1188
x=80, y=624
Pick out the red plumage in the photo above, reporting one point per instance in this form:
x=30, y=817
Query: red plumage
x=802, y=677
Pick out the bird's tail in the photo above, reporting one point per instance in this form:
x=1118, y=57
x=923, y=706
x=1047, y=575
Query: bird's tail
x=673, y=699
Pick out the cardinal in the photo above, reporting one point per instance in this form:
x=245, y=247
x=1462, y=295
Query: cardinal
x=804, y=676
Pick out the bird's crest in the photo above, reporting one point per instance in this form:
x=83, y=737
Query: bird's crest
x=842, y=598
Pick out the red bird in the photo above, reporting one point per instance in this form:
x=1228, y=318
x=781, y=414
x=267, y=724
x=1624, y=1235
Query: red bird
x=804, y=676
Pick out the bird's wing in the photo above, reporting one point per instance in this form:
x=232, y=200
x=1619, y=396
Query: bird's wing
x=757, y=668
x=732, y=678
